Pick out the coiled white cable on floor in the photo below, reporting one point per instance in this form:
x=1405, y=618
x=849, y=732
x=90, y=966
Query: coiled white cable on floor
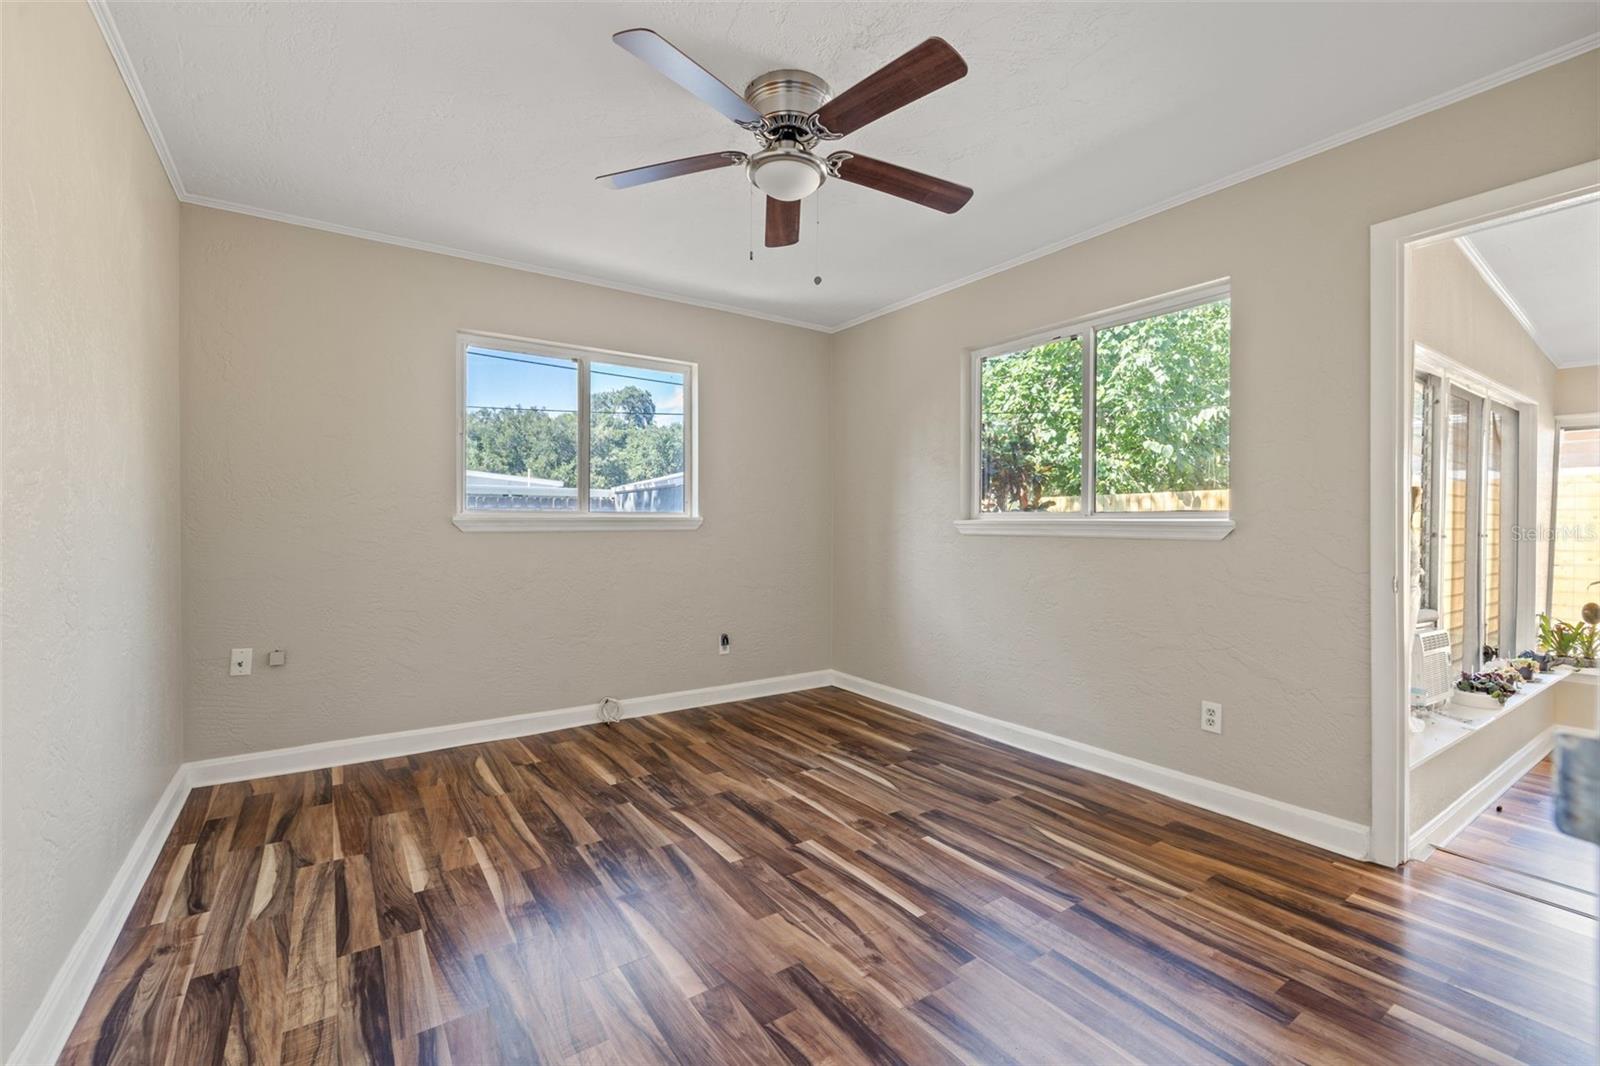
x=610, y=711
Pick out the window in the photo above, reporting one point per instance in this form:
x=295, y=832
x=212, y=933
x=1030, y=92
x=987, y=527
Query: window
x=1424, y=502
x=1575, y=523
x=1458, y=527
x=1116, y=425
x=555, y=437
x=1464, y=470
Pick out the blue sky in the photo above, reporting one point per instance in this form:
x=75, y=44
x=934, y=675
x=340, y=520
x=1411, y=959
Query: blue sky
x=510, y=379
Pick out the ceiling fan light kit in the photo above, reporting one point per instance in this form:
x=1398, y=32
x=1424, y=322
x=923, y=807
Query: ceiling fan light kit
x=786, y=171
x=790, y=112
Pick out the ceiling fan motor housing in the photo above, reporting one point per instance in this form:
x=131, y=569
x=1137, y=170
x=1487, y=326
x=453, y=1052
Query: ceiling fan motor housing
x=784, y=93
x=784, y=168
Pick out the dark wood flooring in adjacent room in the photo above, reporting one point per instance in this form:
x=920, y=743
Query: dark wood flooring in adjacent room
x=818, y=878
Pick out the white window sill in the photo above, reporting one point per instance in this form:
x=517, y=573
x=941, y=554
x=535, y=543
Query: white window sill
x=569, y=522
x=1443, y=732
x=1145, y=527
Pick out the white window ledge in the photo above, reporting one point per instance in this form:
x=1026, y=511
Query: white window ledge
x=1145, y=527
x=1443, y=732
x=568, y=522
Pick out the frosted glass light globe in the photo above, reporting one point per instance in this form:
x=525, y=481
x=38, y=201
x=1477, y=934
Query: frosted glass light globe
x=785, y=174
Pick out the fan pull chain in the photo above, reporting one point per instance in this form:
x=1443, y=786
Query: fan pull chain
x=816, y=225
x=750, y=220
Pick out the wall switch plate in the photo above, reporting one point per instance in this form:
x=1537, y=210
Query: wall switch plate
x=243, y=658
x=723, y=647
x=276, y=657
x=1210, y=716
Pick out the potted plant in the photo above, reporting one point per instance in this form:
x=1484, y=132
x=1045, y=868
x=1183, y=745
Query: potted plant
x=1586, y=645
x=1527, y=667
x=1560, y=639
x=1480, y=695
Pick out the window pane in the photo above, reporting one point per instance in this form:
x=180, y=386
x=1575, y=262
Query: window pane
x=521, y=432
x=1030, y=440
x=635, y=439
x=1422, y=518
x=1494, y=511
x=1453, y=550
x=1161, y=412
x=1575, y=552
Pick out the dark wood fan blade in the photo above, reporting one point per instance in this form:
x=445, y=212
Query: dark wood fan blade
x=783, y=222
x=931, y=65
x=922, y=189
x=655, y=50
x=627, y=179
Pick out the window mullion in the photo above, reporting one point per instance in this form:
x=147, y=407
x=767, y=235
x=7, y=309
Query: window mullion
x=1511, y=629
x=583, y=436
x=1440, y=413
x=1474, y=618
x=1555, y=514
x=1086, y=432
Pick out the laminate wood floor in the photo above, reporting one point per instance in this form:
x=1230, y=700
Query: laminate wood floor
x=816, y=878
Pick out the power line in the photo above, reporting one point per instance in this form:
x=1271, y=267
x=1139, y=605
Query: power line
x=551, y=363
x=567, y=410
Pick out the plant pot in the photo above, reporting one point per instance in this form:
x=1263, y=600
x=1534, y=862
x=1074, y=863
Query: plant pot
x=1470, y=706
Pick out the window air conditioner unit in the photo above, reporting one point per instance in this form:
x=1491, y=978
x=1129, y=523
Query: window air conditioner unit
x=1431, y=676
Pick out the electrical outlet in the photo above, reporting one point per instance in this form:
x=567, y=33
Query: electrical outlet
x=243, y=658
x=1210, y=716
x=723, y=647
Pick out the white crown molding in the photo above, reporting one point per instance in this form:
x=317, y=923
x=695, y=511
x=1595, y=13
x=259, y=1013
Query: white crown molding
x=119, y=52
x=101, y=9
x=1496, y=286
x=491, y=260
x=141, y=103
x=1394, y=118
x=1312, y=827
x=53, y=1020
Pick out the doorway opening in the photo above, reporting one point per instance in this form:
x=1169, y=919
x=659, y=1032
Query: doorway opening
x=1486, y=336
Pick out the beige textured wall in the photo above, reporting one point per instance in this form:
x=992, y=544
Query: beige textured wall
x=1115, y=642
x=319, y=480
x=89, y=578
x=1452, y=310
x=1577, y=390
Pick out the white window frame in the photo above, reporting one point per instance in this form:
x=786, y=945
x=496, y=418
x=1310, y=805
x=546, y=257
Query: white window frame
x=581, y=519
x=1518, y=594
x=1154, y=525
x=1590, y=420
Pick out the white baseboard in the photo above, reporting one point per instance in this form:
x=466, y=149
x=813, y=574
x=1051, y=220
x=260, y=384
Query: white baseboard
x=432, y=738
x=1443, y=827
x=1313, y=827
x=47, y=1033
x=52, y=1023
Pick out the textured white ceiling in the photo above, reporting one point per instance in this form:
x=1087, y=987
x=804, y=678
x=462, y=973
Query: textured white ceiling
x=1547, y=269
x=479, y=127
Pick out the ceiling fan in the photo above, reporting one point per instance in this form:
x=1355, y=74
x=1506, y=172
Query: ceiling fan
x=791, y=112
